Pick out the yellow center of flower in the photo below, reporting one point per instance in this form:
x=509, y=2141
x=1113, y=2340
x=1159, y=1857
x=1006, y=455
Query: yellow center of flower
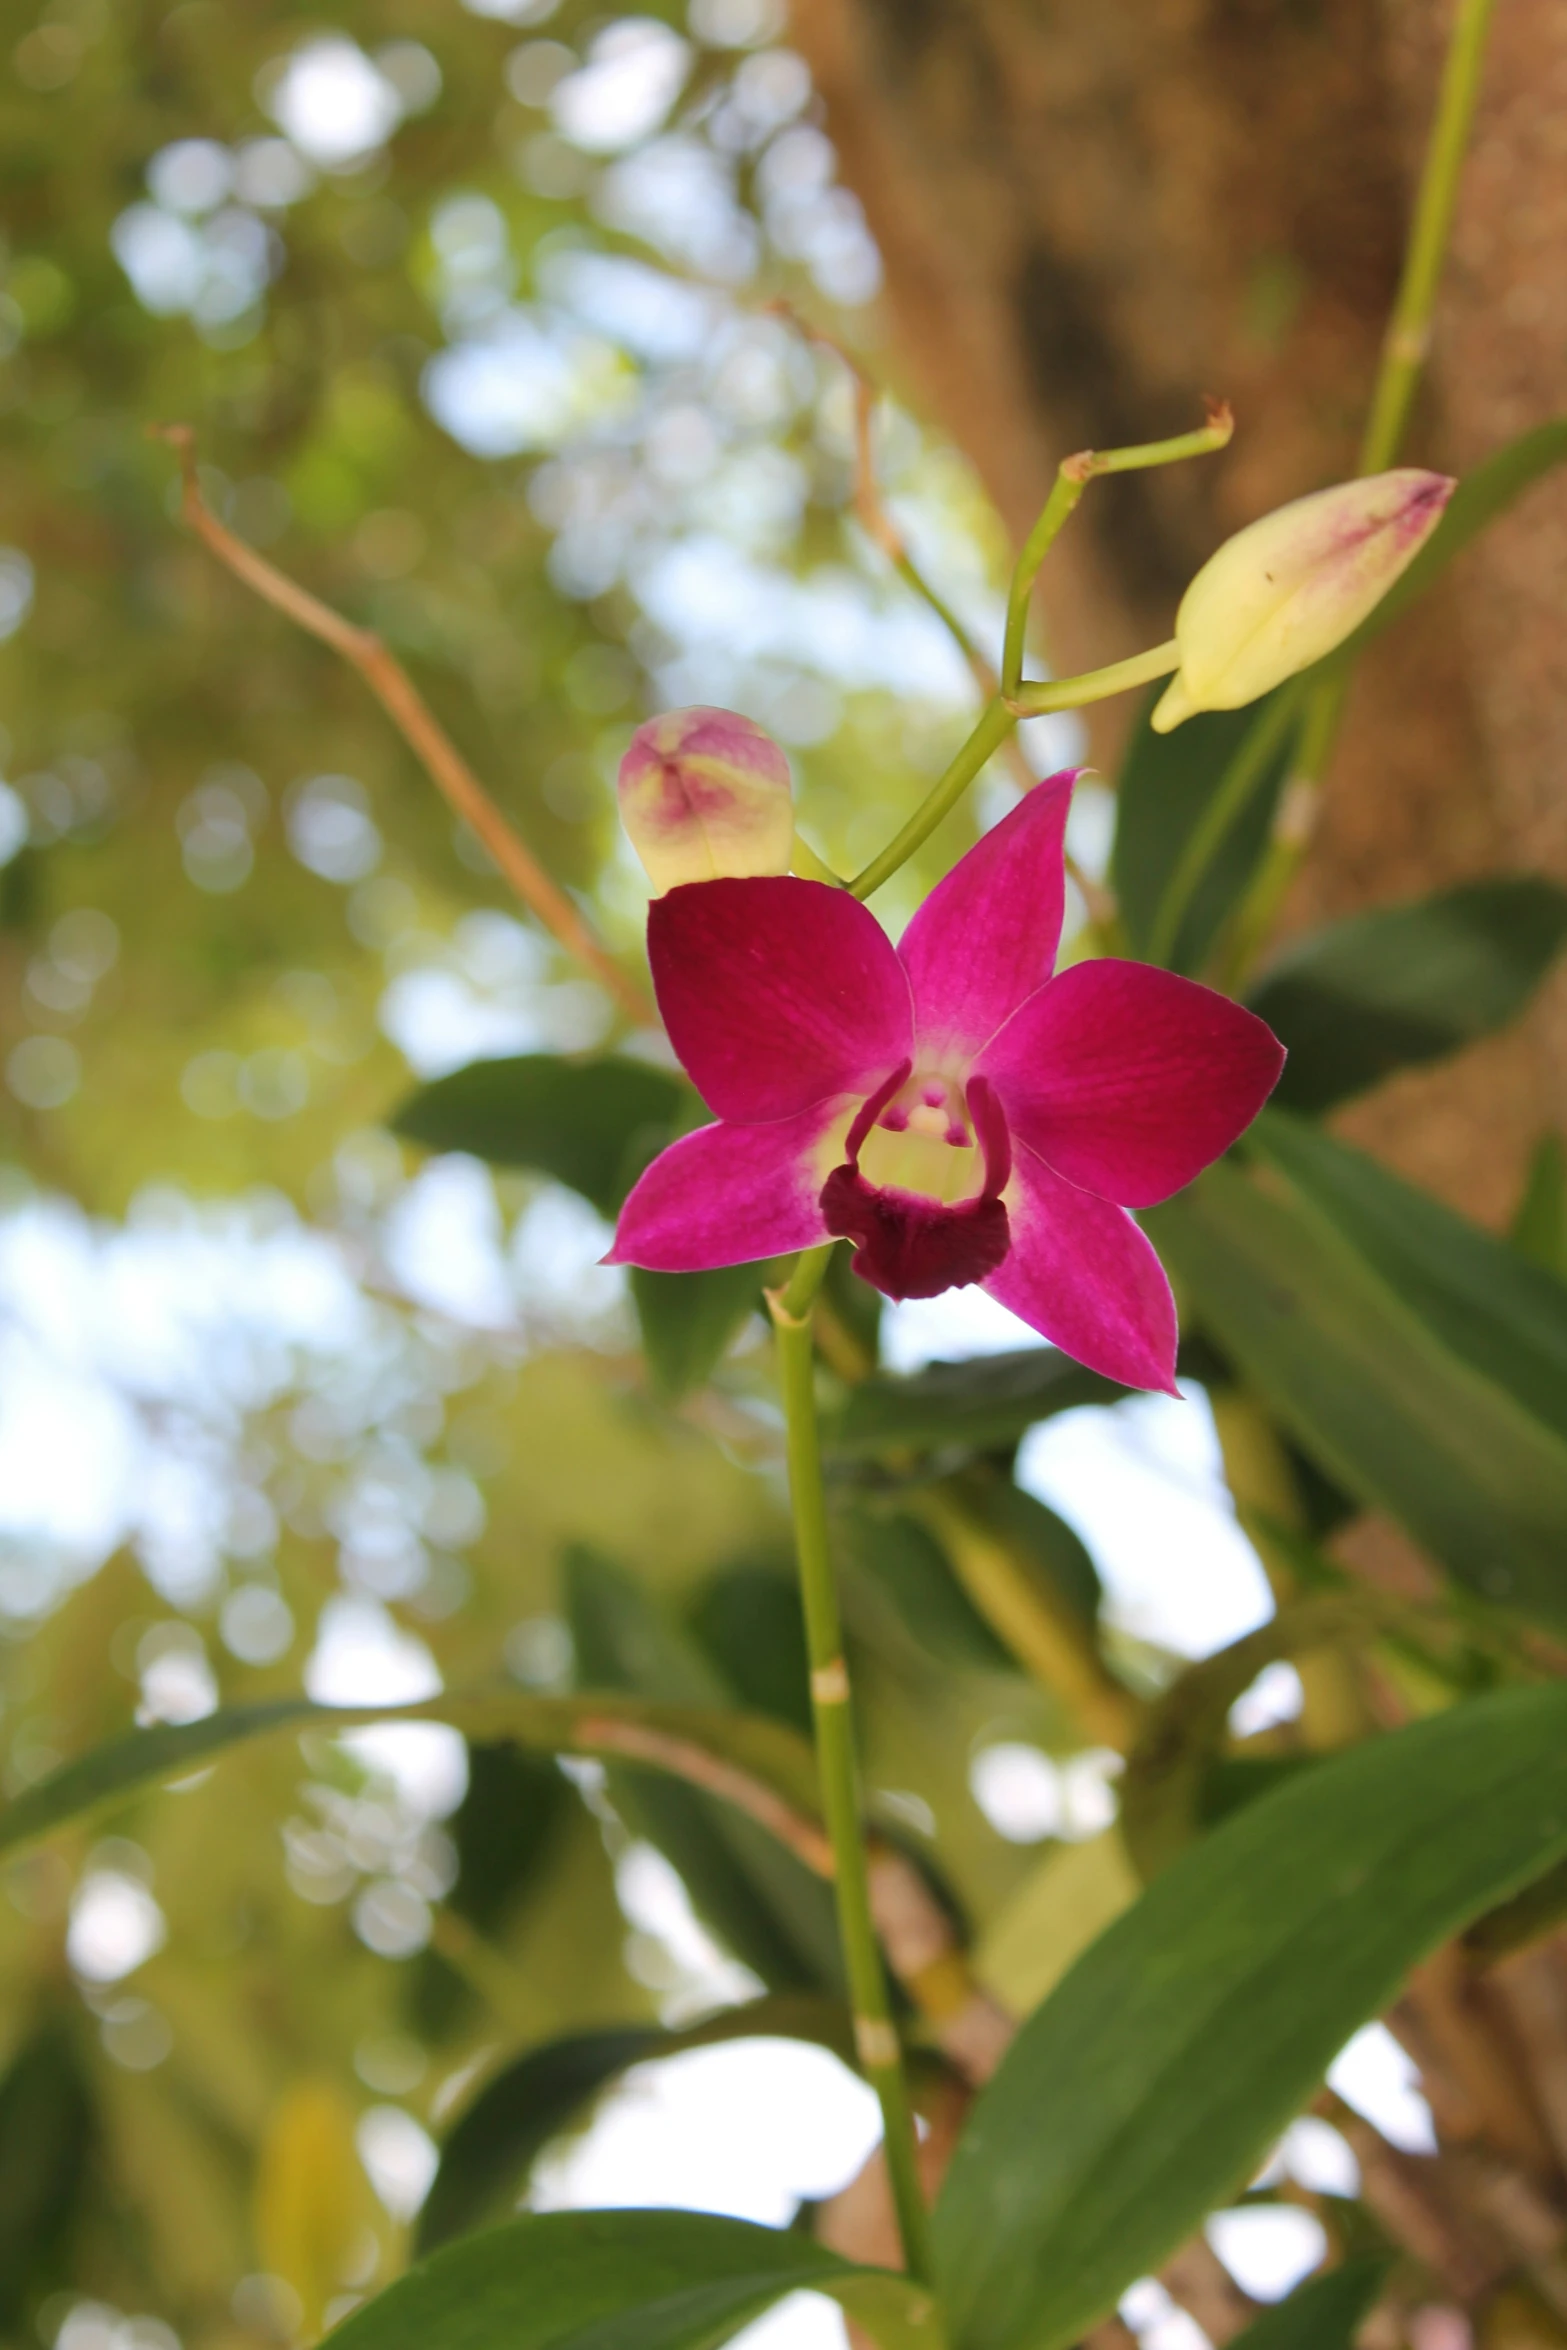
x=924, y=1142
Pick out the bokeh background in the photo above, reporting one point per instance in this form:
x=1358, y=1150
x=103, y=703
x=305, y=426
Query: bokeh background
x=472, y=310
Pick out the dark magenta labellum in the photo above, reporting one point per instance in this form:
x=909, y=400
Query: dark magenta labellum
x=907, y=1246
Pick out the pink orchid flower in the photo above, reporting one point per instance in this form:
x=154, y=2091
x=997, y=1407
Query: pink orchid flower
x=951, y=1106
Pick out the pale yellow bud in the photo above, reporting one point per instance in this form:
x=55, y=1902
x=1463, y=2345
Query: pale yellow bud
x=1294, y=585
x=704, y=796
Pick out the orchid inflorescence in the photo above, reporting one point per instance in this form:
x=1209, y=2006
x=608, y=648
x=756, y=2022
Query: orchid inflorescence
x=955, y=1107
x=949, y=1106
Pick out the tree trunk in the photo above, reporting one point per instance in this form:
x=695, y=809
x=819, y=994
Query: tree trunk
x=1092, y=212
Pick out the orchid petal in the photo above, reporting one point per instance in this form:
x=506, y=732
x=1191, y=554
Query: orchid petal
x=1080, y=1272
x=1128, y=1080
x=776, y=993
x=727, y=1195
x=986, y=937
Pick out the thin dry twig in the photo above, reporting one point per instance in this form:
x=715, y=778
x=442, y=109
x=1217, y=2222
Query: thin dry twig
x=419, y=728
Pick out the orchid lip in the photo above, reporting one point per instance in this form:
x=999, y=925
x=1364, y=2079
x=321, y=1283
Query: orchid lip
x=914, y=1238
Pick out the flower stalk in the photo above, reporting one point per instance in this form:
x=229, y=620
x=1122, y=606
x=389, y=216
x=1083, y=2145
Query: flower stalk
x=875, y=2033
x=995, y=723
x=1073, y=477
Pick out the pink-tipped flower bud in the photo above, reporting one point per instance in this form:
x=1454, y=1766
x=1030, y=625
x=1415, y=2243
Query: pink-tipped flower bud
x=1294, y=585
x=704, y=796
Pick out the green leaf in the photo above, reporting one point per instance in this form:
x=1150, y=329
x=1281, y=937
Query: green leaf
x=590, y=1124
x=1165, y=1789
x=1393, y=1374
x=1503, y=1317
x=1538, y=1230
x=502, y=1829
x=688, y=1320
x=1171, y=797
x=1151, y=2082
x=750, y=1622
x=46, y=2135
x=592, y=1724
x=978, y=1406
x=1052, y=1552
x=624, y=2280
x=907, y=1563
x=1406, y=984
x=1322, y=2314
x=495, y=2141
x=756, y=1897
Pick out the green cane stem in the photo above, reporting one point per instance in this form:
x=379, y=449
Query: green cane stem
x=875, y=2033
x=1405, y=350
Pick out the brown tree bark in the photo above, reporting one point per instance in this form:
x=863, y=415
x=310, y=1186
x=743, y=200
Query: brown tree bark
x=1091, y=212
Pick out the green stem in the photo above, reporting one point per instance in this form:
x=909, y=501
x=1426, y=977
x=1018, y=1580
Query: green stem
x=804, y=861
x=1294, y=822
x=1244, y=775
x=995, y=724
x=1405, y=349
x=1408, y=340
x=1038, y=698
x=1072, y=478
x=876, y=2035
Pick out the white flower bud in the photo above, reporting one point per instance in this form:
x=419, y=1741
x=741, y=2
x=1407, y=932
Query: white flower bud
x=1294, y=585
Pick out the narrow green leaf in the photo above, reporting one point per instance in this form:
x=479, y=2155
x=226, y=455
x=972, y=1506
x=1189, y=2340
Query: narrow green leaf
x=1165, y=1786
x=1368, y=1383
x=495, y=2140
x=1173, y=793
x=1053, y=1554
x=908, y=1566
x=1538, y=1230
x=1406, y=984
x=688, y=1319
x=749, y=1620
x=623, y=2280
x=756, y=1897
x=764, y=1750
x=1322, y=2314
x=1151, y=2082
x=977, y=1406
x=1500, y=1315
x=46, y=2137
x=505, y=1831
x=502, y=1829
x=590, y=1124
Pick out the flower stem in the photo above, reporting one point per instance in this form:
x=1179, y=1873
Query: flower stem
x=1036, y=699
x=1405, y=349
x=1073, y=477
x=876, y=2035
x=995, y=724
